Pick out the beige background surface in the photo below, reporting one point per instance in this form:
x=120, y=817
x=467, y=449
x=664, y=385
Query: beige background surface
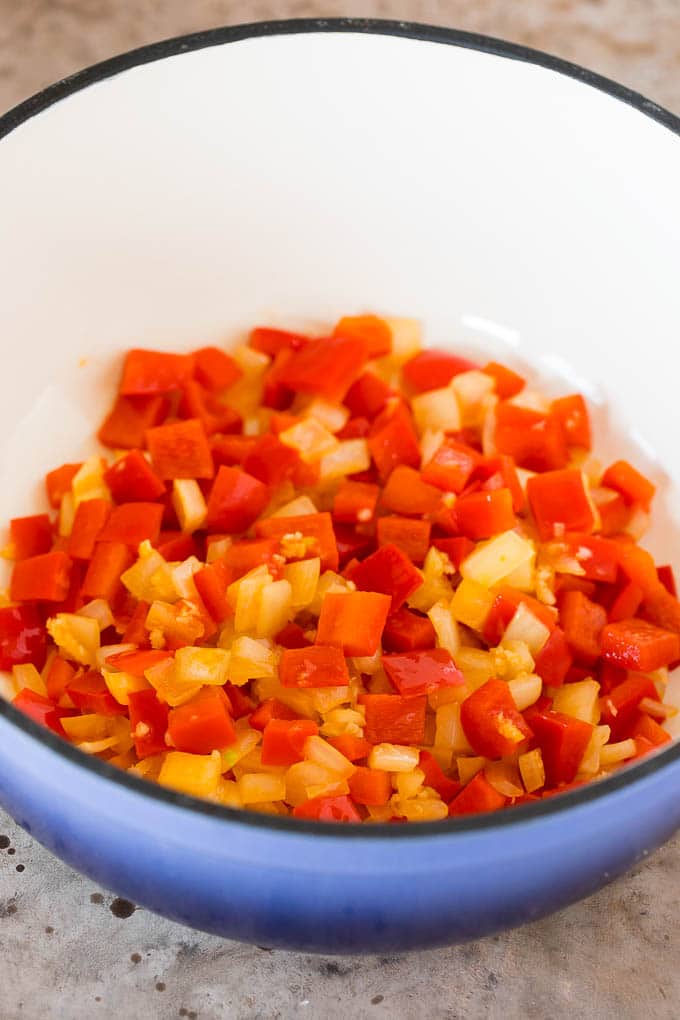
x=64, y=955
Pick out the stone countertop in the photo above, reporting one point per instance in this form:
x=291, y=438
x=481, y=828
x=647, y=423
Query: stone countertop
x=70, y=951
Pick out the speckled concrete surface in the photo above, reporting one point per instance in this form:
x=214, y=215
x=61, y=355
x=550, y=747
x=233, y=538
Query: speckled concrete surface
x=64, y=954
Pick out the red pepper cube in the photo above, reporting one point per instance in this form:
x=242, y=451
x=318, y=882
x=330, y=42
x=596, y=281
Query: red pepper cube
x=374, y=332
x=355, y=502
x=353, y=621
x=177, y=545
x=633, y=486
x=90, y=518
x=241, y=703
x=649, y=728
x=638, y=645
x=89, y=693
x=202, y=725
x=457, y=549
x=582, y=621
x=249, y=553
x=508, y=383
x=535, y=441
x=151, y=372
x=431, y=370
x=560, y=502
x=292, y=636
x=599, y=557
x=504, y=608
x=30, y=536
x=406, y=631
x=619, y=708
x=393, y=441
x=563, y=741
x=109, y=561
x=132, y=523
x=614, y=512
x=316, y=666
x=44, y=578
x=58, y=677
x=408, y=494
x=180, y=450
x=236, y=500
x=41, y=710
x=148, y=723
x=667, y=579
x=353, y=748
x=58, y=483
x=394, y=720
x=271, y=461
x=390, y=572
x=317, y=533
x=128, y=421
x=22, y=637
x=283, y=740
x=572, y=414
x=135, y=631
x=197, y=402
x=132, y=479
x=270, y=708
x=271, y=341
x=214, y=369
x=325, y=367
x=367, y=396
x=499, y=472
x=554, y=660
x=626, y=602
x=370, y=787
x=484, y=514
x=412, y=537
x=451, y=467
x=422, y=671
x=477, y=798
x=436, y=778
x=211, y=583
x=136, y=663
x=662, y=609
x=328, y=809
x=231, y=450
x=491, y=722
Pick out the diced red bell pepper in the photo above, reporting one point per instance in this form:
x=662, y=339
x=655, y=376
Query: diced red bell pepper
x=609, y=677
x=150, y=372
x=563, y=741
x=275, y=394
x=44, y=578
x=318, y=528
x=132, y=478
x=353, y=621
x=148, y=723
x=392, y=440
x=484, y=514
x=355, y=502
x=250, y=553
x=430, y=370
x=271, y=461
x=406, y=631
x=613, y=510
x=373, y=331
x=231, y=450
x=411, y=536
x=356, y=428
x=633, y=486
x=639, y=645
x=41, y=710
x=559, y=502
x=127, y=422
x=508, y=383
x=316, y=666
x=90, y=518
x=643, y=746
x=626, y=603
x=499, y=472
x=203, y=724
x=292, y=636
x=390, y=571
x=598, y=557
x=572, y=413
x=214, y=369
x=478, y=797
x=406, y=493
x=283, y=740
x=109, y=561
x=89, y=693
x=270, y=708
x=457, y=549
x=667, y=579
x=504, y=608
x=58, y=483
x=132, y=523
x=180, y=450
x=353, y=748
x=328, y=809
x=650, y=729
x=451, y=467
x=30, y=536
x=137, y=663
x=177, y=545
x=271, y=341
x=22, y=637
x=236, y=500
x=491, y=722
x=325, y=367
x=422, y=671
x=663, y=609
x=619, y=707
x=535, y=441
x=135, y=631
x=370, y=786
x=436, y=778
x=240, y=701
x=58, y=678
x=198, y=402
x=367, y=396
x=582, y=621
x=211, y=583
x=394, y=720
x=638, y=565
x=352, y=544
x=554, y=660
